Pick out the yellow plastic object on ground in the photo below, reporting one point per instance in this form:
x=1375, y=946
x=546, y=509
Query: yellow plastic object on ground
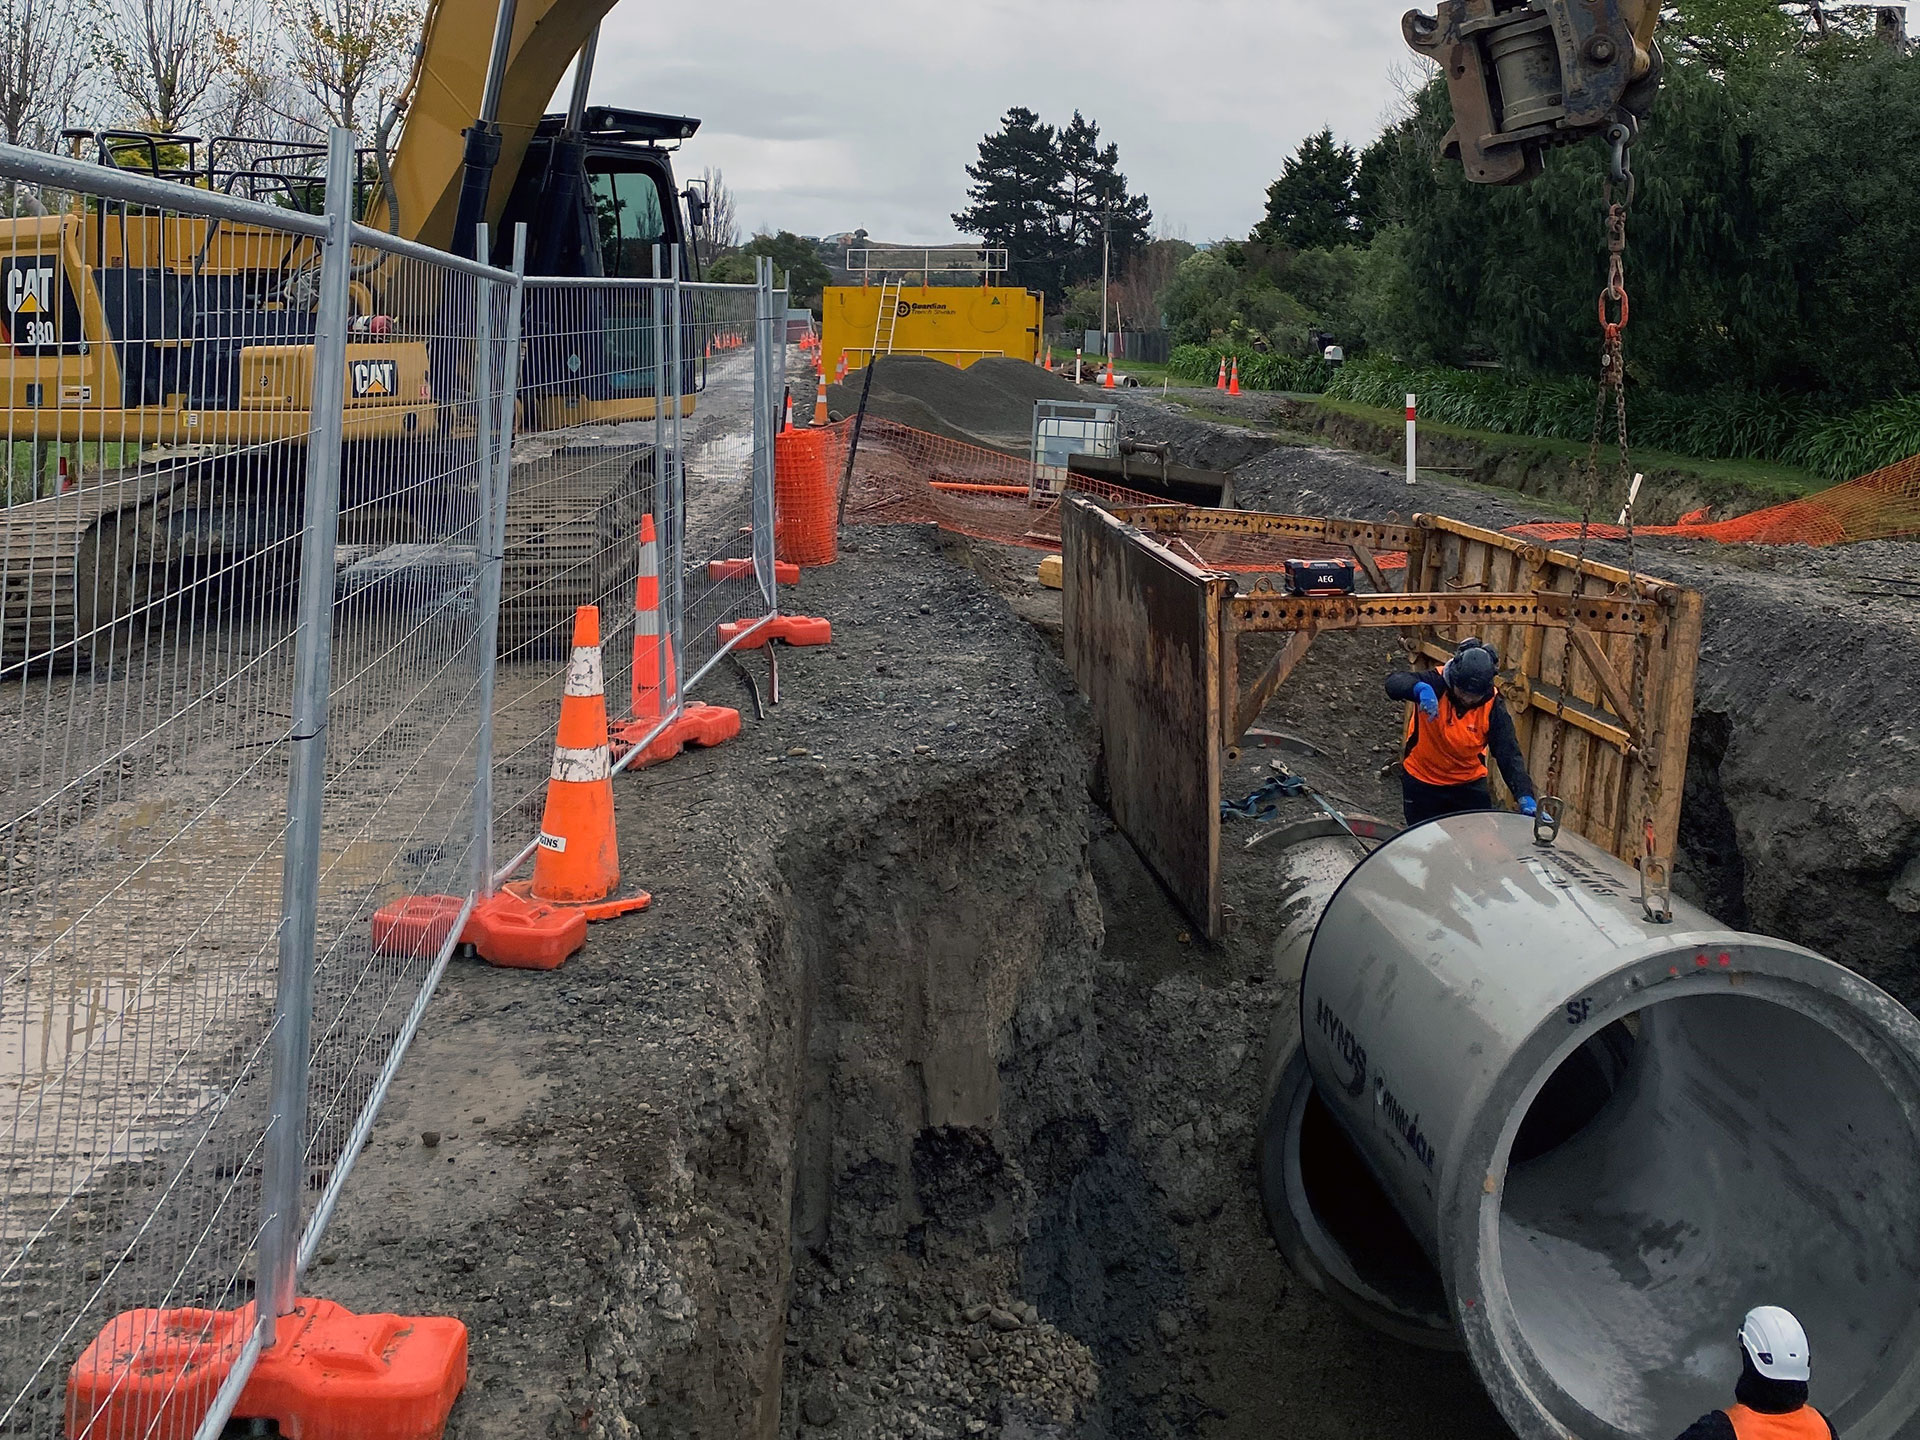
x=955, y=323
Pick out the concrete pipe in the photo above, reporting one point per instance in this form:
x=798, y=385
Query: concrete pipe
x=1582, y=1144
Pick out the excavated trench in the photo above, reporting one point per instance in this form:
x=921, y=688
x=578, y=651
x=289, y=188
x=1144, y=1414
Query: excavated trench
x=912, y=1109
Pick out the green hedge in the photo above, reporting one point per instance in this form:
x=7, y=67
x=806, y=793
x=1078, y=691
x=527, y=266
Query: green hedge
x=1201, y=364
x=1719, y=425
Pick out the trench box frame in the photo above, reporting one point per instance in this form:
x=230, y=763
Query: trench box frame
x=1155, y=641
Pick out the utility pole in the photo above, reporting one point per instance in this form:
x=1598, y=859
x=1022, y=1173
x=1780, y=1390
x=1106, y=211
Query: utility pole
x=1106, y=273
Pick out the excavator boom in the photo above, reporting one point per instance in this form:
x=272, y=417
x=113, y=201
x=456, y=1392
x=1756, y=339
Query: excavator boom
x=1525, y=75
x=450, y=93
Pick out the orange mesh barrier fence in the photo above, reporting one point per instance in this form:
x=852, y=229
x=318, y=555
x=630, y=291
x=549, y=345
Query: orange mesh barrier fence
x=805, y=487
x=1882, y=506
x=906, y=476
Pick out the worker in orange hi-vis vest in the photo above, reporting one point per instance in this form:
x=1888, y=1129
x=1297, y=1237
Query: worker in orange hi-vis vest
x=1457, y=718
x=1770, y=1399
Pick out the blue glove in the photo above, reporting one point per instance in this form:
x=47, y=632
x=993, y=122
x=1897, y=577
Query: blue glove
x=1428, y=702
x=1528, y=805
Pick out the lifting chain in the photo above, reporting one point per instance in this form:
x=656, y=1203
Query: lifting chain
x=1615, y=311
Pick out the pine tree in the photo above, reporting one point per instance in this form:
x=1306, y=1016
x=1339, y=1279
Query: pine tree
x=1095, y=194
x=1043, y=193
x=1314, y=205
x=1017, y=197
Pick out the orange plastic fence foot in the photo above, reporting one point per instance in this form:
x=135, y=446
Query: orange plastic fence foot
x=702, y=725
x=515, y=933
x=797, y=630
x=783, y=573
x=416, y=926
x=330, y=1375
x=611, y=908
x=504, y=930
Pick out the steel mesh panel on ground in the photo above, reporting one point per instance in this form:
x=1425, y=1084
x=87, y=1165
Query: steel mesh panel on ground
x=146, y=668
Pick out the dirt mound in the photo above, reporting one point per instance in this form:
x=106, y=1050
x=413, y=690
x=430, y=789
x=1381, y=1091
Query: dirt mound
x=990, y=404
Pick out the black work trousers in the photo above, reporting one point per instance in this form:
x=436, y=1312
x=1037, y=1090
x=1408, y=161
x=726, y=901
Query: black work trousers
x=1429, y=802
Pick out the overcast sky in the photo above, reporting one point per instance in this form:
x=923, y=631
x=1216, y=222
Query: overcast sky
x=834, y=116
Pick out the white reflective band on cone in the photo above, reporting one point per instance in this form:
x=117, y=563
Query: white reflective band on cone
x=648, y=622
x=582, y=766
x=583, y=672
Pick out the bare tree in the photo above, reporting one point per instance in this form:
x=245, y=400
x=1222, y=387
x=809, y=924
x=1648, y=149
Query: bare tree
x=44, y=64
x=161, y=58
x=351, y=59
x=722, y=234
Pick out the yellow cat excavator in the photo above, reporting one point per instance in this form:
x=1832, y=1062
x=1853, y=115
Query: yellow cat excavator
x=172, y=354
x=1525, y=75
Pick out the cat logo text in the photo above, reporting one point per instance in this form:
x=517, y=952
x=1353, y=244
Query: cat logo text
x=375, y=379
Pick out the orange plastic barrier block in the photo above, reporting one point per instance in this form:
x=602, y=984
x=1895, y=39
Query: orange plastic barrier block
x=330, y=1375
x=783, y=573
x=799, y=630
x=514, y=933
x=416, y=926
x=702, y=725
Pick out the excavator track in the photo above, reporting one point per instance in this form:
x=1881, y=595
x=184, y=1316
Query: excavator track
x=573, y=525
x=68, y=564
x=93, y=571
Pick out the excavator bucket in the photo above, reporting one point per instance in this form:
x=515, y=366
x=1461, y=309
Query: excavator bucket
x=1524, y=75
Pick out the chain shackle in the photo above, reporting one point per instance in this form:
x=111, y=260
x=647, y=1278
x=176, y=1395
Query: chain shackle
x=1617, y=294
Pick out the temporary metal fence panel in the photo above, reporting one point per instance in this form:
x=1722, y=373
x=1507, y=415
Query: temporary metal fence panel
x=241, y=658
x=1063, y=429
x=629, y=417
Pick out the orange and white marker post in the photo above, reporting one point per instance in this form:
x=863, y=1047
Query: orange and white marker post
x=1413, y=411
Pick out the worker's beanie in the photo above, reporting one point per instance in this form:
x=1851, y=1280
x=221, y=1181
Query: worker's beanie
x=1471, y=672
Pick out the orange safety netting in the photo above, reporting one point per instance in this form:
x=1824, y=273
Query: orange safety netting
x=906, y=476
x=1882, y=506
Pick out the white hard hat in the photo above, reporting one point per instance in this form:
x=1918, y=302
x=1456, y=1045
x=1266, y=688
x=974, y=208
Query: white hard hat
x=1776, y=1343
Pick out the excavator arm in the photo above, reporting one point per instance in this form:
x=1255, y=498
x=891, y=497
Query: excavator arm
x=486, y=66
x=1524, y=75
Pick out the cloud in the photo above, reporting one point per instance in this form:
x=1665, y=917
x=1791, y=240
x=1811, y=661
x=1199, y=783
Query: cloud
x=829, y=118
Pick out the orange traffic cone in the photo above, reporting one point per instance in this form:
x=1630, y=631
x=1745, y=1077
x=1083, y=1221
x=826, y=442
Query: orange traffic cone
x=789, y=421
x=1107, y=382
x=1221, y=383
x=820, y=416
x=840, y=370
x=655, y=691
x=577, y=862
x=1233, y=385
x=1047, y=364
x=653, y=680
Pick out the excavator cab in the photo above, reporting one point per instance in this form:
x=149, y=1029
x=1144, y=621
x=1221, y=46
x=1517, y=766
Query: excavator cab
x=599, y=200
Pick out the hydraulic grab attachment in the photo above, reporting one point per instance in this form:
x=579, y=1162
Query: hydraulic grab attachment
x=1527, y=74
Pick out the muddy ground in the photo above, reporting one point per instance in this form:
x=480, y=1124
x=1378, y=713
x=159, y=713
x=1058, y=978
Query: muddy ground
x=912, y=1108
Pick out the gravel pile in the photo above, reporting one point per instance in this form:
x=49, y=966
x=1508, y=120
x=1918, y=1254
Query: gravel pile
x=890, y=1354
x=990, y=404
